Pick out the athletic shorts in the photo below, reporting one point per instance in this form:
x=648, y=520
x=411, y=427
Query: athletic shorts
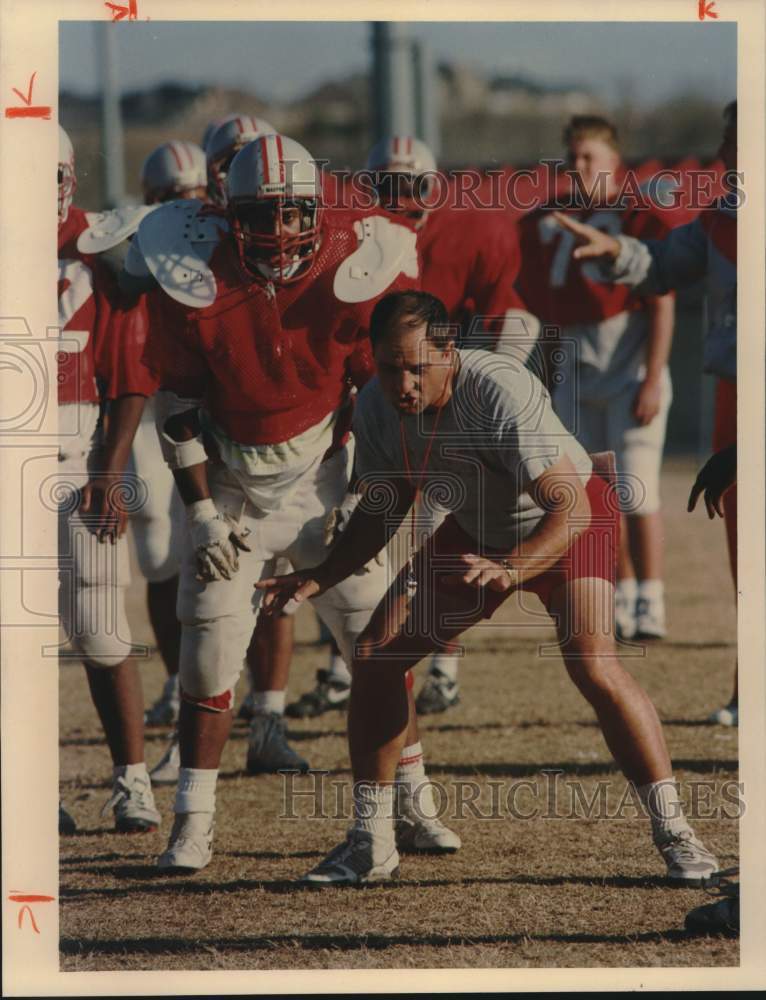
x=593, y=553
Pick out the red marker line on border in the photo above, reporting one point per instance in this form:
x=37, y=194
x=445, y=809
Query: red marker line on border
x=29, y=110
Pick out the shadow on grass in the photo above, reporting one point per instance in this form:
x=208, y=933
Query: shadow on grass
x=164, y=883
x=350, y=942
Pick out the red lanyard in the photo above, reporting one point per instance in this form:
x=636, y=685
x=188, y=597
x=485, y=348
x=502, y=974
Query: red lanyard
x=411, y=580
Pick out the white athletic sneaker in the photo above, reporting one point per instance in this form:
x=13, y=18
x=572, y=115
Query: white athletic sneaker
x=687, y=858
x=165, y=771
x=164, y=712
x=351, y=863
x=624, y=616
x=419, y=835
x=133, y=805
x=650, y=618
x=191, y=843
x=726, y=716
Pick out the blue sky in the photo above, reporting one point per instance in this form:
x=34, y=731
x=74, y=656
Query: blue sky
x=279, y=60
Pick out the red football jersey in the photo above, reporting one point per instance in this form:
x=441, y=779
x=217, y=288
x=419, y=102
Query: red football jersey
x=564, y=291
x=470, y=261
x=270, y=361
x=97, y=359
x=121, y=357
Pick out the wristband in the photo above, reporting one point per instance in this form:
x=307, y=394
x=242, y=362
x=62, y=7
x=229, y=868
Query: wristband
x=201, y=511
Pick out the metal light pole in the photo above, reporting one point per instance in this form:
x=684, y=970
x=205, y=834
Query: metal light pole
x=113, y=175
x=394, y=101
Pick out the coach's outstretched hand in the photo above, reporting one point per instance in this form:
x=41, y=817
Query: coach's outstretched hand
x=715, y=477
x=592, y=242
x=280, y=590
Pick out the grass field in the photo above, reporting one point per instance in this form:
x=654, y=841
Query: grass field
x=549, y=890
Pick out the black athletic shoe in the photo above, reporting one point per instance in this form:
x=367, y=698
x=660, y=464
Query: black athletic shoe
x=328, y=695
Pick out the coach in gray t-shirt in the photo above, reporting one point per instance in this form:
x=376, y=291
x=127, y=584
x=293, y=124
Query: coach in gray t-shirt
x=491, y=440
x=526, y=513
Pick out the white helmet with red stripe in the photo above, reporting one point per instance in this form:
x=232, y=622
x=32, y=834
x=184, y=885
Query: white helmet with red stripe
x=403, y=172
x=176, y=169
x=67, y=181
x=274, y=190
x=232, y=134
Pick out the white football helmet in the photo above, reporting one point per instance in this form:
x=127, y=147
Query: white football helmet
x=403, y=172
x=268, y=179
x=173, y=170
x=223, y=145
x=67, y=180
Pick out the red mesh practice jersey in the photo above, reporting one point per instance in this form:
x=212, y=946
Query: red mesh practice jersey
x=269, y=361
x=122, y=353
x=564, y=291
x=98, y=356
x=470, y=259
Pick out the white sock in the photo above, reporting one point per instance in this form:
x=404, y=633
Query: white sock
x=374, y=813
x=415, y=794
x=661, y=801
x=338, y=670
x=651, y=590
x=195, y=791
x=627, y=589
x=445, y=663
x=131, y=771
x=269, y=701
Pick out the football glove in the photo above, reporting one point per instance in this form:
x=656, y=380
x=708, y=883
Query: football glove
x=216, y=538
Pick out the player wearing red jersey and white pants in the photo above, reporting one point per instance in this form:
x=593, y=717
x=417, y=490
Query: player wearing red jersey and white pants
x=613, y=388
x=257, y=337
x=93, y=577
x=470, y=260
x=703, y=249
x=531, y=514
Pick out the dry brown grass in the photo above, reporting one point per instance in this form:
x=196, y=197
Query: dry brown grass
x=534, y=893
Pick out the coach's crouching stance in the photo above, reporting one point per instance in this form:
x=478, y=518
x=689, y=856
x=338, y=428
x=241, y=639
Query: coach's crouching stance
x=527, y=512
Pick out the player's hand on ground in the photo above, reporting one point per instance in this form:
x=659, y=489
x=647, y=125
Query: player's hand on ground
x=280, y=590
x=647, y=403
x=478, y=571
x=106, y=516
x=217, y=538
x=593, y=243
x=715, y=477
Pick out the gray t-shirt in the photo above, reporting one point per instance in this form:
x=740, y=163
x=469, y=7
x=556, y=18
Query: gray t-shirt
x=496, y=435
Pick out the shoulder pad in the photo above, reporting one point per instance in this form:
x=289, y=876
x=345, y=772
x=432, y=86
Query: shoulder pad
x=176, y=241
x=385, y=250
x=108, y=229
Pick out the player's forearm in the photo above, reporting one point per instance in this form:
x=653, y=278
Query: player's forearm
x=192, y=483
x=661, y=317
x=121, y=425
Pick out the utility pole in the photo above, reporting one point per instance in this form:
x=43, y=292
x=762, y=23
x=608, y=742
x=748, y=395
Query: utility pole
x=113, y=174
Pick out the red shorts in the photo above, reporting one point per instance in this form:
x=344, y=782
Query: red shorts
x=592, y=554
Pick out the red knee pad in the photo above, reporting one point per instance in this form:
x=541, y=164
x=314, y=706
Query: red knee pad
x=216, y=703
x=409, y=680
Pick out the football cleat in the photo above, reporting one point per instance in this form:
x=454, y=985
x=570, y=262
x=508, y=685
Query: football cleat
x=419, y=835
x=689, y=862
x=164, y=712
x=133, y=806
x=268, y=751
x=165, y=771
x=67, y=825
x=437, y=694
x=190, y=846
x=726, y=716
x=650, y=619
x=328, y=695
x=721, y=917
x=354, y=863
